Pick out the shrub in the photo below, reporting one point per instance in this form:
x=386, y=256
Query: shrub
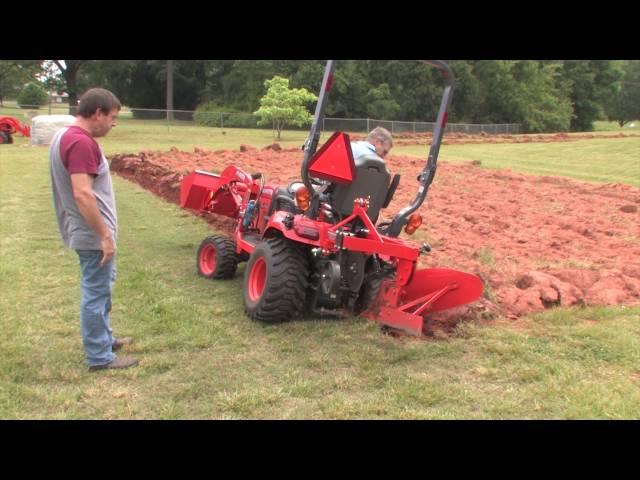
x=31, y=95
x=148, y=114
x=240, y=120
x=207, y=114
x=211, y=114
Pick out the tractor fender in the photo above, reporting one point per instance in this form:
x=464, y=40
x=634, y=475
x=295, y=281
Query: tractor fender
x=296, y=228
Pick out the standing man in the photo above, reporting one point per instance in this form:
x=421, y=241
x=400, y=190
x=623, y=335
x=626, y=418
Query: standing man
x=378, y=142
x=85, y=208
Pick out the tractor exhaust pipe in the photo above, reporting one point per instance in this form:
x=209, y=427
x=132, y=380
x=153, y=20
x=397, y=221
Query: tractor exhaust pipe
x=426, y=176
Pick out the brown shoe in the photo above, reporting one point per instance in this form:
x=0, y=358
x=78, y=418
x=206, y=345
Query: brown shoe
x=120, y=342
x=119, y=362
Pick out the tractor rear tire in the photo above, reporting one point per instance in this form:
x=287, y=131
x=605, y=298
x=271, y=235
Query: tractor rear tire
x=368, y=291
x=5, y=138
x=275, y=281
x=216, y=258
x=368, y=294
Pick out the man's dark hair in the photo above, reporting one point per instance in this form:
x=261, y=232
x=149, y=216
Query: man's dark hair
x=97, y=98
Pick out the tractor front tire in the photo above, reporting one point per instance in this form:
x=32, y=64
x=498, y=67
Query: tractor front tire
x=275, y=281
x=216, y=258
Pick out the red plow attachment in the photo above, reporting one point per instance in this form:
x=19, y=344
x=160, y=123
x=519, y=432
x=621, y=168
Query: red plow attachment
x=430, y=290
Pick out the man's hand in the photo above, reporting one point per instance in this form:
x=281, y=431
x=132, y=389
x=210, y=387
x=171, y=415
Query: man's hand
x=108, y=249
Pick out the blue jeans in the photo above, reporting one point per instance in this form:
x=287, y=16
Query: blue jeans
x=95, y=305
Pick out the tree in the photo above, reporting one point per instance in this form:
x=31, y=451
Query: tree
x=528, y=92
x=114, y=75
x=415, y=86
x=348, y=93
x=142, y=84
x=499, y=91
x=284, y=106
x=51, y=79
x=467, y=96
x=14, y=74
x=625, y=105
x=542, y=102
x=32, y=95
x=169, y=89
x=593, y=85
x=69, y=70
x=308, y=75
x=380, y=104
x=244, y=84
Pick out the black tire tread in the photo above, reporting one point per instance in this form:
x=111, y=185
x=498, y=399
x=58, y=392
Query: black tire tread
x=285, y=294
x=368, y=293
x=226, y=258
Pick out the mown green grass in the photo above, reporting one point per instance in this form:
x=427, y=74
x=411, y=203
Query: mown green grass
x=614, y=160
x=604, y=126
x=201, y=357
x=132, y=136
x=136, y=135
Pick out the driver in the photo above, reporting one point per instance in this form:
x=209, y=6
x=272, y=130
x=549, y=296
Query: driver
x=378, y=142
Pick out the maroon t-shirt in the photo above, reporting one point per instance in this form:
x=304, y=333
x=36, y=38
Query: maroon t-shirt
x=72, y=151
x=79, y=151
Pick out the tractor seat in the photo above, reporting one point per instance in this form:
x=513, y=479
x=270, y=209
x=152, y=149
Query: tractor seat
x=371, y=180
x=282, y=199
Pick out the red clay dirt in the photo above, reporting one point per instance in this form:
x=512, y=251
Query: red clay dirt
x=465, y=138
x=537, y=242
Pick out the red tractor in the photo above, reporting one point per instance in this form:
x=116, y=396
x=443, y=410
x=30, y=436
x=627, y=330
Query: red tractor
x=9, y=126
x=314, y=245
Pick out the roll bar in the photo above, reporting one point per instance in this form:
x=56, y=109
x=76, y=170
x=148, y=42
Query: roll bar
x=426, y=176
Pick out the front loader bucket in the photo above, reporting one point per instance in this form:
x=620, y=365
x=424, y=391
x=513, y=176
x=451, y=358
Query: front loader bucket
x=430, y=290
x=196, y=189
x=202, y=191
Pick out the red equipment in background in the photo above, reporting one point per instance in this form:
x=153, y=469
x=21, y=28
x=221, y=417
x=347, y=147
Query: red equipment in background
x=9, y=126
x=315, y=244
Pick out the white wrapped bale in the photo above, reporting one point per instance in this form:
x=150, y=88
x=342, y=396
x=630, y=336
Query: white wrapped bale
x=44, y=127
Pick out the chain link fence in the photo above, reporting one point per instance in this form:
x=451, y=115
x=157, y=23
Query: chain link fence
x=367, y=124
x=360, y=125
x=248, y=120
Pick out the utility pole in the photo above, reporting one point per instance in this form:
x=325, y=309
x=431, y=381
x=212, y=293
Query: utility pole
x=169, y=90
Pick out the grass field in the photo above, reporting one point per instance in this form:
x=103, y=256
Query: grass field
x=201, y=357
x=596, y=160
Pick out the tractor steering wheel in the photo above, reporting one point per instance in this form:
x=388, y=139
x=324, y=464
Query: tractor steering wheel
x=256, y=202
x=255, y=176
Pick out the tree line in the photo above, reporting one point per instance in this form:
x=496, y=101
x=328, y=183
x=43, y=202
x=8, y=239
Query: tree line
x=542, y=95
